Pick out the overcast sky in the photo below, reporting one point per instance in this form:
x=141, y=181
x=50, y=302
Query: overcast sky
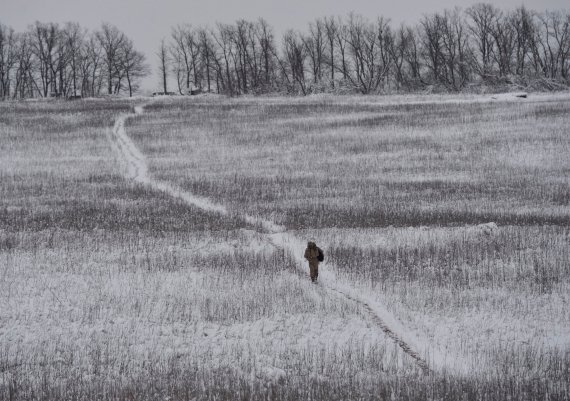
x=147, y=21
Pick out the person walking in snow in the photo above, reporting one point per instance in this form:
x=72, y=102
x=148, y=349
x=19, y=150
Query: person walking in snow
x=314, y=255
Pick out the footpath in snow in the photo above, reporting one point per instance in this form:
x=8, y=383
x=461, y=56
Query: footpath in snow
x=133, y=162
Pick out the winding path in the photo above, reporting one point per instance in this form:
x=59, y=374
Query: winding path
x=136, y=169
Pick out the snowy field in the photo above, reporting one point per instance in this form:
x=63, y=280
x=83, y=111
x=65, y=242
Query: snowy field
x=152, y=249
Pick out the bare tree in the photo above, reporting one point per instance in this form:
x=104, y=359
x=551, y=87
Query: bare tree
x=207, y=55
x=133, y=64
x=179, y=68
x=163, y=60
x=504, y=37
x=225, y=41
x=559, y=26
x=412, y=55
x=342, y=35
x=185, y=38
x=25, y=83
x=456, y=50
x=397, y=49
x=446, y=49
x=181, y=52
x=111, y=41
x=551, y=44
x=73, y=36
x=253, y=61
x=331, y=27
x=186, y=51
x=522, y=23
x=7, y=59
x=314, y=44
x=368, y=44
x=295, y=56
x=385, y=39
x=268, y=51
x=61, y=65
x=483, y=18
x=44, y=44
x=195, y=52
x=91, y=62
x=244, y=67
x=432, y=40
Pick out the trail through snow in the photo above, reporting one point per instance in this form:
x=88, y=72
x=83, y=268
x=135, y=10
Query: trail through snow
x=426, y=356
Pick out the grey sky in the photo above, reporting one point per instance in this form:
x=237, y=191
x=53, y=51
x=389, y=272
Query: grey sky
x=147, y=21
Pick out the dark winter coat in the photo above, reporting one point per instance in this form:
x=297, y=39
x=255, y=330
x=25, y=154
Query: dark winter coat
x=312, y=254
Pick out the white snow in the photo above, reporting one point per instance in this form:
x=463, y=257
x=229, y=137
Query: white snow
x=137, y=170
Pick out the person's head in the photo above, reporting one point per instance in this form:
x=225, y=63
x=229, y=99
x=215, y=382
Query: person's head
x=311, y=244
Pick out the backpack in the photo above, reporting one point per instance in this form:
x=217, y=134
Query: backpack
x=321, y=255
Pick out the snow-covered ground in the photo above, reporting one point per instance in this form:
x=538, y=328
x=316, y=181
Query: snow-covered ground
x=159, y=261
x=137, y=170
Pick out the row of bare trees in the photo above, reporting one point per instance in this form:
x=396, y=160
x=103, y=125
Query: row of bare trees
x=450, y=50
x=233, y=59
x=62, y=61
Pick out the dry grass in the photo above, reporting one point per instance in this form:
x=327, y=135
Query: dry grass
x=333, y=164
x=109, y=290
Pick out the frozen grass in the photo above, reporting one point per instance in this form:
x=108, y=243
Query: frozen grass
x=489, y=298
x=110, y=290
x=106, y=286
x=333, y=163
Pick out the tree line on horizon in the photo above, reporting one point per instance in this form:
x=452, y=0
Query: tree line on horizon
x=452, y=51
x=52, y=60
x=446, y=51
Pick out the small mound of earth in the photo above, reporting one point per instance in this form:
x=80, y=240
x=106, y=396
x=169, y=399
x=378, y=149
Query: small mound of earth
x=510, y=95
x=488, y=228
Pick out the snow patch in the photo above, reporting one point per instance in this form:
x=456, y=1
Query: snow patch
x=136, y=168
x=488, y=228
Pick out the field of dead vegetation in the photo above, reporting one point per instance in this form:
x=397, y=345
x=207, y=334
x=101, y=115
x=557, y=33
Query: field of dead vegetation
x=446, y=217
